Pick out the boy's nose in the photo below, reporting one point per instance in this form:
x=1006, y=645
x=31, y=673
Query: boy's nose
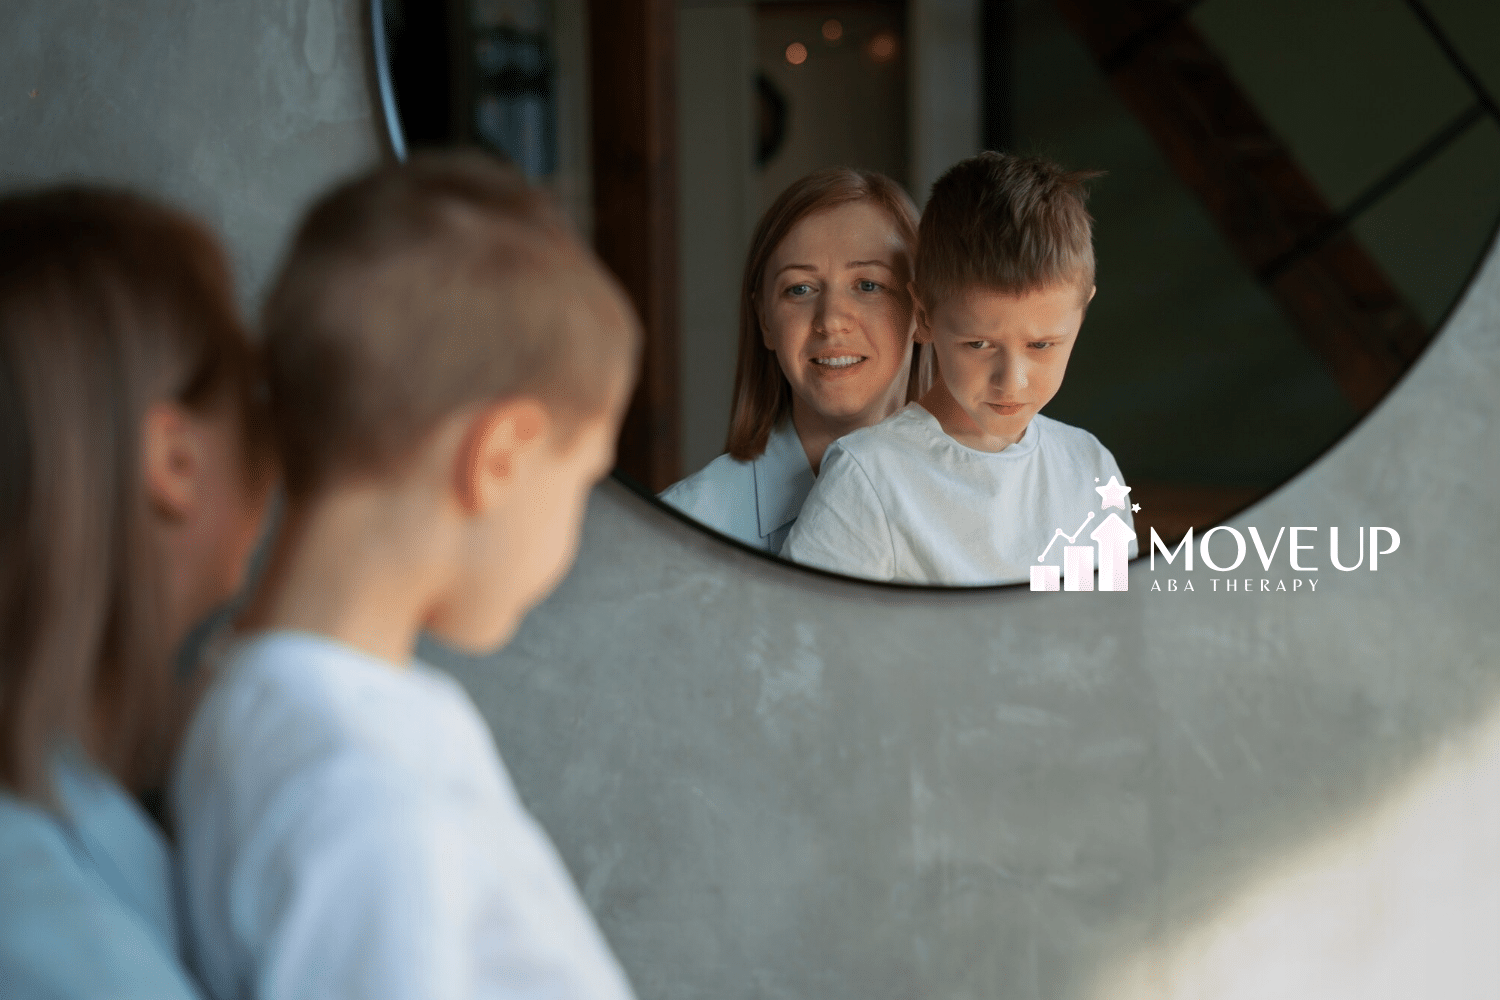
x=1008, y=374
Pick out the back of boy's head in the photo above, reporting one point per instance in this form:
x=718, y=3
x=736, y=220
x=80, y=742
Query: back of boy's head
x=423, y=288
x=1004, y=223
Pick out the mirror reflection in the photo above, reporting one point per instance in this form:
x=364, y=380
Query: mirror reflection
x=1290, y=197
x=838, y=327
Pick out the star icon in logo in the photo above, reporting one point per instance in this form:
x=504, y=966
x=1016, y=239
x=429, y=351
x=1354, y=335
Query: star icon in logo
x=1135, y=508
x=1112, y=493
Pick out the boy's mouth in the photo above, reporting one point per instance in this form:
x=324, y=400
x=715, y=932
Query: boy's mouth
x=1006, y=409
x=838, y=361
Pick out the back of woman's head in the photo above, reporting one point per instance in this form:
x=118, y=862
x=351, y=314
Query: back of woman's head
x=762, y=396
x=108, y=304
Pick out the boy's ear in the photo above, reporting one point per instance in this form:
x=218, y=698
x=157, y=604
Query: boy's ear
x=1089, y=298
x=498, y=438
x=919, y=316
x=171, y=459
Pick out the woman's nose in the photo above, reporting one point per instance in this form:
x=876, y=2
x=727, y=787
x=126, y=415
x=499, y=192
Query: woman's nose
x=835, y=312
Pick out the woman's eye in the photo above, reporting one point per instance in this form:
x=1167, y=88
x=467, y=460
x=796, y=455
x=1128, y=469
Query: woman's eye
x=799, y=289
x=869, y=286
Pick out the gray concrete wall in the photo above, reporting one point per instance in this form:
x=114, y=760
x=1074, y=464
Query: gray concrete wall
x=773, y=784
x=240, y=112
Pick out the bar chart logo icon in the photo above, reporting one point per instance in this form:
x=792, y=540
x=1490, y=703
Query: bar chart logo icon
x=1112, y=538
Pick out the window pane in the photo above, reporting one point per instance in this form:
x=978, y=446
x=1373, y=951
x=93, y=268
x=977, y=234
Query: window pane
x=1352, y=86
x=1429, y=233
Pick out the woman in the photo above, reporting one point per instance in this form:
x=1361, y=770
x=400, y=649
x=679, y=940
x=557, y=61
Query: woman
x=130, y=495
x=825, y=348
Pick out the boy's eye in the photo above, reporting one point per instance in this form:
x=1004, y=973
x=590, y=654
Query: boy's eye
x=1040, y=344
x=978, y=345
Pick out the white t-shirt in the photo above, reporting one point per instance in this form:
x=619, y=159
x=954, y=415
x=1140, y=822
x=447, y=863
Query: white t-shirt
x=346, y=829
x=902, y=501
x=753, y=502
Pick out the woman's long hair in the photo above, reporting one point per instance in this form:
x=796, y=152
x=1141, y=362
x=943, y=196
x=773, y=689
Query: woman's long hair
x=108, y=303
x=762, y=396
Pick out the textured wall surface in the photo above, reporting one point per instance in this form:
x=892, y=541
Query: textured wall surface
x=772, y=784
x=238, y=111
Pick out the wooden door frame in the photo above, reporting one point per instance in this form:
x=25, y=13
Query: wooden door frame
x=633, y=112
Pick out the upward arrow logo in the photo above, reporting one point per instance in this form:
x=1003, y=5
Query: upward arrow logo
x=1113, y=537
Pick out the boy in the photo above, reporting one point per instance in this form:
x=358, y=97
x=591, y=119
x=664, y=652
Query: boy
x=967, y=485
x=447, y=368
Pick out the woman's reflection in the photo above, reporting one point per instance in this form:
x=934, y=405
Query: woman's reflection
x=825, y=348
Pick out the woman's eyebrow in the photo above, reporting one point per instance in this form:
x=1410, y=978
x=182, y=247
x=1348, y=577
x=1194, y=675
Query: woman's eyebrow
x=868, y=263
x=795, y=267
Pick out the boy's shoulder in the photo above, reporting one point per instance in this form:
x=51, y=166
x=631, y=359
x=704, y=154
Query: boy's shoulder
x=1054, y=434
x=911, y=446
x=288, y=704
x=305, y=668
x=909, y=428
x=912, y=430
x=264, y=679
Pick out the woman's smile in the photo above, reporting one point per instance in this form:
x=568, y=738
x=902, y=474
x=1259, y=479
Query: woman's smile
x=837, y=364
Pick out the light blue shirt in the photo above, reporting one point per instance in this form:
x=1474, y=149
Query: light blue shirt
x=86, y=902
x=754, y=502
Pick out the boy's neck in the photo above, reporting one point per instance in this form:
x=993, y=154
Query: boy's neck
x=957, y=424
x=355, y=567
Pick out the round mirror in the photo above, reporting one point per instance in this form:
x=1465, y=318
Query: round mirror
x=1294, y=194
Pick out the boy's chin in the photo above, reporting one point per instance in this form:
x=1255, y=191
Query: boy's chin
x=1004, y=425
x=475, y=638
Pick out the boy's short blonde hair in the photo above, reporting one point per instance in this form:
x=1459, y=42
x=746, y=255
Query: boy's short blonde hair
x=425, y=287
x=1011, y=224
